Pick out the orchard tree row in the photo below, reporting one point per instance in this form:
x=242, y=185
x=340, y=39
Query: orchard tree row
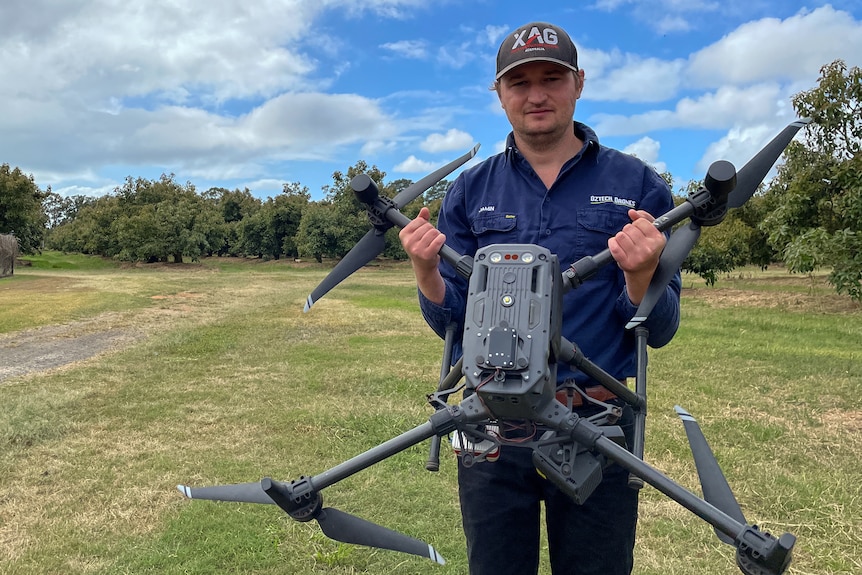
x=165, y=221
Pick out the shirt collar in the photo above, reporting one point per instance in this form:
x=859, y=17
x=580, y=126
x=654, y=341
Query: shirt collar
x=582, y=131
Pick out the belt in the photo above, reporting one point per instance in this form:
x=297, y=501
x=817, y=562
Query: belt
x=597, y=392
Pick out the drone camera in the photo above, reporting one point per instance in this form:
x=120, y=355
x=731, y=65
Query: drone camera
x=511, y=328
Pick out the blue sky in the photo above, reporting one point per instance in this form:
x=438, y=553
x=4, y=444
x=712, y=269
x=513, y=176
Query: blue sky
x=258, y=94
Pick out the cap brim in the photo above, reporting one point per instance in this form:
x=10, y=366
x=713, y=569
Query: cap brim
x=514, y=65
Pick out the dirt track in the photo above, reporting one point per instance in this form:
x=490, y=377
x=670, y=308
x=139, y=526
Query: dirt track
x=51, y=347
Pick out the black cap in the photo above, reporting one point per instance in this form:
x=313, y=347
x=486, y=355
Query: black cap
x=535, y=42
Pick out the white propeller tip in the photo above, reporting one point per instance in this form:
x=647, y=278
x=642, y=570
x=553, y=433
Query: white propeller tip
x=432, y=553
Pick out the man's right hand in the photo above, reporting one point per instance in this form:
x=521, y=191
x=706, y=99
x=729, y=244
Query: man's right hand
x=422, y=242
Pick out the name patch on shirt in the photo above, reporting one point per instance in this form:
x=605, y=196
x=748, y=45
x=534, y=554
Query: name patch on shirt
x=617, y=201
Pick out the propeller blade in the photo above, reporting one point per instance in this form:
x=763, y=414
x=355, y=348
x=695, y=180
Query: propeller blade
x=675, y=251
x=335, y=524
x=373, y=243
x=752, y=173
x=241, y=492
x=716, y=490
x=369, y=247
x=347, y=528
x=416, y=189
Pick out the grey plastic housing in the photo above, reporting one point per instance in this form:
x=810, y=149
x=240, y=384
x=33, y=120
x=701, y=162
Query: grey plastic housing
x=512, y=329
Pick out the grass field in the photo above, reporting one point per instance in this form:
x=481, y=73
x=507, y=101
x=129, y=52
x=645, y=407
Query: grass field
x=226, y=380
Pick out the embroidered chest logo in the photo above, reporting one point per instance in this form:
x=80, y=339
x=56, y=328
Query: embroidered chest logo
x=484, y=209
x=615, y=200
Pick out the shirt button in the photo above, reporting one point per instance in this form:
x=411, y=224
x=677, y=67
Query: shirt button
x=547, y=232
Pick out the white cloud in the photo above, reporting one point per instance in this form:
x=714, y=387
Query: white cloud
x=168, y=50
x=714, y=110
x=231, y=89
x=738, y=146
x=454, y=139
x=668, y=23
x=265, y=186
x=647, y=150
x=414, y=49
x=664, y=16
x=632, y=78
x=782, y=50
x=413, y=165
x=494, y=34
x=796, y=49
x=108, y=84
x=752, y=72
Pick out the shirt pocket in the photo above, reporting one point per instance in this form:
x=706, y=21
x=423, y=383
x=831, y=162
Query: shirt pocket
x=494, y=228
x=595, y=227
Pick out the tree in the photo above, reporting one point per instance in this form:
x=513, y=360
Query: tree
x=233, y=207
x=319, y=231
x=720, y=249
x=161, y=219
x=144, y=220
x=290, y=205
x=61, y=209
x=271, y=230
x=816, y=198
x=724, y=247
x=89, y=232
x=21, y=212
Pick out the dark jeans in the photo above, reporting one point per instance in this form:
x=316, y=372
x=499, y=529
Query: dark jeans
x=500, y=505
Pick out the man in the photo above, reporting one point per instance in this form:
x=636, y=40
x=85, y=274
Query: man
x=557, y=187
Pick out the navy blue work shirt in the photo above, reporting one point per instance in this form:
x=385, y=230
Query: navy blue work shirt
x=503, y=200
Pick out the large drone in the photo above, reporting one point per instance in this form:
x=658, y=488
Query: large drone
x=509, y=366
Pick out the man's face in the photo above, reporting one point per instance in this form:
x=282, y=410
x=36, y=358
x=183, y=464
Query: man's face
x=539, y=98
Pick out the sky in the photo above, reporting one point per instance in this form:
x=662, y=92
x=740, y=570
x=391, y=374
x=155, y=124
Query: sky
x=238, y=94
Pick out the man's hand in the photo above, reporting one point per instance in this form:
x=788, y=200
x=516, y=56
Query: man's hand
x=422, y=242
x=637, y=249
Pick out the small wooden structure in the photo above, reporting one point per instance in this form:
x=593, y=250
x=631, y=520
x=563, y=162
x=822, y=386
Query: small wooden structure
x=8, y=253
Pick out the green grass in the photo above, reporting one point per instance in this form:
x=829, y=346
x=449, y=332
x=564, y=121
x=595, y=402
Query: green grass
x=235, y=383
x=50, y=260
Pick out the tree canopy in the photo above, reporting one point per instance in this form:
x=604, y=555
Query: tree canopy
x=815, y=202
x=21, y=212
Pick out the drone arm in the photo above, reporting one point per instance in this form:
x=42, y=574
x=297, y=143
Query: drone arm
x=571, y=354
x=709, y=203
x=758, y=552
x=583, y=269
x=441, y=422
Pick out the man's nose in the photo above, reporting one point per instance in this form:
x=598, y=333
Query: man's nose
x=537, y=93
